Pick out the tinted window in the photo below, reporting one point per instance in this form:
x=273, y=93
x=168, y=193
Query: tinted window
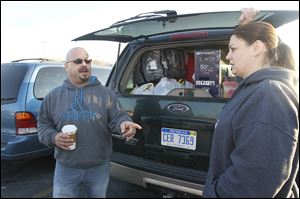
x=47, y=79
x=101, y=73
x=11, y=80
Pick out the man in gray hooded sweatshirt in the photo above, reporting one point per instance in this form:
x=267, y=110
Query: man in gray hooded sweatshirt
x=95, y=111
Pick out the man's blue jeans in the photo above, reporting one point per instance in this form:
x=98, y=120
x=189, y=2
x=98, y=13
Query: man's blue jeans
x=68, y=181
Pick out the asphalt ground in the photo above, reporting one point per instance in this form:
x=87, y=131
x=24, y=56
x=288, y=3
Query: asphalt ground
x=33, y=179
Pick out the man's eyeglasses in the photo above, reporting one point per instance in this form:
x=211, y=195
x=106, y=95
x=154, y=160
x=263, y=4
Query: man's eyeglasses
x=79, y=61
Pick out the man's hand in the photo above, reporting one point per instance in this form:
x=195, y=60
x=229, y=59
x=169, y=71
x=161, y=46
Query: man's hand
x=63, y=141
x=128, y=129
x=248, y=14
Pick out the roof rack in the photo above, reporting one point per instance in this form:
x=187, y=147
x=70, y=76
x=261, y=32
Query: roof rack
x=148, y=15
x=35, y=59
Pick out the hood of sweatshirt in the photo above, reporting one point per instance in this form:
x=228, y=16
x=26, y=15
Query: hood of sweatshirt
x=285, y=76
x=92, y=81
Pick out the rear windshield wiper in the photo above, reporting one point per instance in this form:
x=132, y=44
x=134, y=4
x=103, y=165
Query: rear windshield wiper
x=148, y=15
x=9, y=98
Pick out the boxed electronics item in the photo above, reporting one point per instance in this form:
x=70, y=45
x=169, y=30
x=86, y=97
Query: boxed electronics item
x=207, y=71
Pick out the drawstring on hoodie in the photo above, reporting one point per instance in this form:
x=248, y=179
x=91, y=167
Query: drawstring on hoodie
x=81, y=95
x=75, y=104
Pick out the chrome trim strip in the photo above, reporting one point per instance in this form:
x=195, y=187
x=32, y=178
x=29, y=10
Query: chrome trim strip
x=144, y=179
x=173, y=186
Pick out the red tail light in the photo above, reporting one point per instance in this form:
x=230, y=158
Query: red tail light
x=25, y=123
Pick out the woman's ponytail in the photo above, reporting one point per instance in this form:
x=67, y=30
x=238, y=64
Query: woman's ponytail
x=284, y=56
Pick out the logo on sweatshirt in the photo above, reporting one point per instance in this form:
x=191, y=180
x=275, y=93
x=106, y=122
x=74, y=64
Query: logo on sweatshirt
x=79, y=109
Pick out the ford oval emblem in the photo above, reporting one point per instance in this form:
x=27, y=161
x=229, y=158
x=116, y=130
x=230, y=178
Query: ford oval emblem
x=178, y=108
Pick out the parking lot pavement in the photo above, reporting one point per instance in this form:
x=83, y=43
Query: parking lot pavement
x=33, y=179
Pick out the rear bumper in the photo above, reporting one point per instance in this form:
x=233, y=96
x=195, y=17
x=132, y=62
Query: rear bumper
x=22, y=147
x=146, y=179
x=149, y=173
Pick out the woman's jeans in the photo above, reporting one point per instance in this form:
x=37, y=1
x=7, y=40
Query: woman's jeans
x=68, y=182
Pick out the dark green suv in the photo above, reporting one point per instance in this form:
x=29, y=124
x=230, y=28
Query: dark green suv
x=173, y=79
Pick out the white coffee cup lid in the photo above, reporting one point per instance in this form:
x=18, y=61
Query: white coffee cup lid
x=69, y=128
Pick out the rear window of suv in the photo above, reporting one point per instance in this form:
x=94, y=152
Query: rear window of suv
x=13, y=76
x=195, y=70
x=47, y=79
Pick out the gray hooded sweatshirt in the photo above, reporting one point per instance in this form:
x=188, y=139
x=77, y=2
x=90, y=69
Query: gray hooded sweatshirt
x=95, y=111
x=255, y=150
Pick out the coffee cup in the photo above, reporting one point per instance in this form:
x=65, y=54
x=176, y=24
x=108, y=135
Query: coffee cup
x=71, y=130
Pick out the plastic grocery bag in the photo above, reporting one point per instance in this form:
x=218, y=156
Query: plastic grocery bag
x=145, y=89
x=165, y=85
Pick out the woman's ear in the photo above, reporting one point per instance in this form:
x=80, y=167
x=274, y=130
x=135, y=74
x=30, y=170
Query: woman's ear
x=258, y=48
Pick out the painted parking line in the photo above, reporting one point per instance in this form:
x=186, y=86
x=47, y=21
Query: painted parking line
x=44, y=193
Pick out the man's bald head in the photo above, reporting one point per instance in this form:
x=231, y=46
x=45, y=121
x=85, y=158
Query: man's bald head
x=74, y=52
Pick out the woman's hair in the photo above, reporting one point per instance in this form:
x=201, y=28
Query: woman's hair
x=287, y=56
x=279, y=54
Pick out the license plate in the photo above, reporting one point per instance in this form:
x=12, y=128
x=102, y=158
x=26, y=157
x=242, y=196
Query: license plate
x=179, y=138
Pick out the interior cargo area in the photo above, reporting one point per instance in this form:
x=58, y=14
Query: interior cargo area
x=189, y=71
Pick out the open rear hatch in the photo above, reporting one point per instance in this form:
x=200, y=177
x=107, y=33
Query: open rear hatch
x=149, y=24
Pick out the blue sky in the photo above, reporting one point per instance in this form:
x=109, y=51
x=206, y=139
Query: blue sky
x=45, y=29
